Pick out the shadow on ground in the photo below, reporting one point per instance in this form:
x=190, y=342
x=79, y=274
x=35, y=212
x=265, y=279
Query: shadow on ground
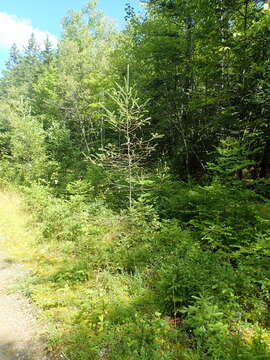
x=6, y=264
x=8, y=352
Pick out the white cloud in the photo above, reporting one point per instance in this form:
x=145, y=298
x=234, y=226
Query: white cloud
x=18, y=30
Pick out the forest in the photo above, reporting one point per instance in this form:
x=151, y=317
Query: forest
x=143, y=157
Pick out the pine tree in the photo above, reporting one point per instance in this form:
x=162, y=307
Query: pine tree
x=127, y=157
x=14, y=57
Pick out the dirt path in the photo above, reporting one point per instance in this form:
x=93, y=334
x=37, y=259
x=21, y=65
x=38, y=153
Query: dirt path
x=20, y=332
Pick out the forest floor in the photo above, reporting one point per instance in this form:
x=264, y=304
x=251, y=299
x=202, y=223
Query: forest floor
x=20, y=331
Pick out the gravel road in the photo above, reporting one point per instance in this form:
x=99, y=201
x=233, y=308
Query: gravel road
x=19, y=329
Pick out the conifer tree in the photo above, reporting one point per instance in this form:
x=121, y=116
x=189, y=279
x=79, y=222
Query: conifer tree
x=127, y=157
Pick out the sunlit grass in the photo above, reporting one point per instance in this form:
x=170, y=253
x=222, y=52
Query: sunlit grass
x=18, y=236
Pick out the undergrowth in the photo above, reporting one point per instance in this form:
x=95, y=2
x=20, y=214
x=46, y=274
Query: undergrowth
x=138, y=285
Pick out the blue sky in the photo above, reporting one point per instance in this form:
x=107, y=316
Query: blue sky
x=18, y=18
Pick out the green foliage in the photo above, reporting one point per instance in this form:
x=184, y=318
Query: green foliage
x=213, y=337
x=149, y=281
x=233, y=156
x=5, y=129
x=207, y=322
x=192, y=272
x=27, y=149
x=147, y=249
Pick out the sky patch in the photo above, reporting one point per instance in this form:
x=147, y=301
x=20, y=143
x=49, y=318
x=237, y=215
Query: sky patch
x=15, y=30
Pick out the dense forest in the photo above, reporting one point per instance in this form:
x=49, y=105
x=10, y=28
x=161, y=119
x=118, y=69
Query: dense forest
x=144, y=158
